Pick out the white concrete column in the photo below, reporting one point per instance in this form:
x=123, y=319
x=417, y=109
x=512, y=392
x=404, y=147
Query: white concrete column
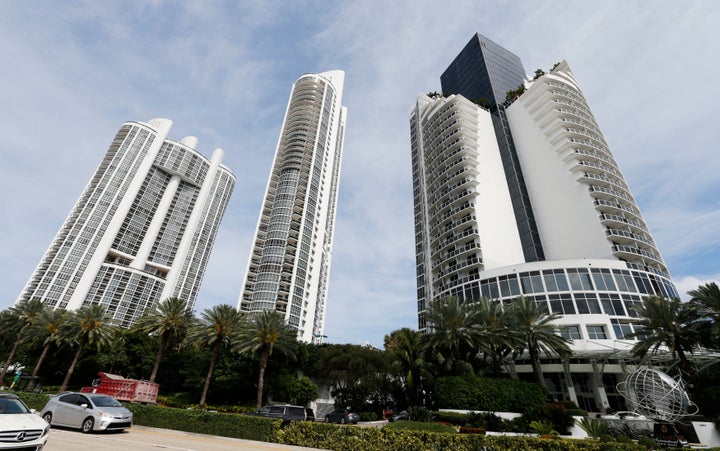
x=162, y=128
x=148, y=241
x=193, y=223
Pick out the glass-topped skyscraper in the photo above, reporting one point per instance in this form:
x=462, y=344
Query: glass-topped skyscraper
x=142, y=230
x=484, y=72
x=289, y=264
x=478, y=156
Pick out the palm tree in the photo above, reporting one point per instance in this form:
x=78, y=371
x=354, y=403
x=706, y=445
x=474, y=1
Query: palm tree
x=48, y=327
x=169, y=321
x=706, y=299
x=87, y=326
x=217, y=328
x=266, y=332
x=497, y=339
x=537, y=333
x=405, y=350
x=454, y=334
x=22, y=315
x=669, y=323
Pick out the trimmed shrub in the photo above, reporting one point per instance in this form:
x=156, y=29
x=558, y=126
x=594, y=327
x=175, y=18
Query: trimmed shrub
x=647, y=442
x=368, y=416
x=420, y=426
x=623, y=439
x=203, y=422
x=34, y=400
x=497, y=395
x=419, y=413
x=456, y=418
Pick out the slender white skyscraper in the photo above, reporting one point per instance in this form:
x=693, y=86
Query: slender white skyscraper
x=517, y=194
x=289, y=262
x=142, y=229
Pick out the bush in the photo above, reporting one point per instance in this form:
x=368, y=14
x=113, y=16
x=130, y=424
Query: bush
x=497, y=395
x=419, y=413
x=34, y=400
x=593, y=427
x=606, y=438
x=623, y=439
x=420, y=426
x=203, y=422
x=368, y=416
x=456, y=418
x=647, y=442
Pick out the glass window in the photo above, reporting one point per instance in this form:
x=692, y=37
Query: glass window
x=555, y=280
x=596, y=332
x=579, y=279
x=621, y=328
x=612, y=304
x=541, y=302
x=643, y=283
x=562, y=304
x=632, y=302
x=587, y=303
x=624, y=280
x=509, y=286
x=531, y=282
x=489, y=288
x=570, y=332
x=603, y=279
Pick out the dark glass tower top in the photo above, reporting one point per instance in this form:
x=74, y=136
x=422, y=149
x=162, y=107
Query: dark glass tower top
x=484, y=72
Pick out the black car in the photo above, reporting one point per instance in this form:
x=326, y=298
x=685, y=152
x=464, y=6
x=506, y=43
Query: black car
x=283, y=411
x=342, y=416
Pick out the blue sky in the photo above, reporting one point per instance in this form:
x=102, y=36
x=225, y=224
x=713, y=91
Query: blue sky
x=74, y=71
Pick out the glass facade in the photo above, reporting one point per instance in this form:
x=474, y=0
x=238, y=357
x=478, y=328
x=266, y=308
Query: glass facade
x=484, y=72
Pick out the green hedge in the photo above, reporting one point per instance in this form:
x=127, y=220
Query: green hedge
x=352, y=438
x=495, y=395
x=34, y=400
x=206, y=422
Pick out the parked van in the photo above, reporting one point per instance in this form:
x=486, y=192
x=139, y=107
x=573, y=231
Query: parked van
x=284, y=411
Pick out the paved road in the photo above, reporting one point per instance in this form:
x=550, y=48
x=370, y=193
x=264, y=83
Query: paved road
x=139, y=438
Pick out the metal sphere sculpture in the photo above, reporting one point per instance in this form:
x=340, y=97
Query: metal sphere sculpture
x=656, y=395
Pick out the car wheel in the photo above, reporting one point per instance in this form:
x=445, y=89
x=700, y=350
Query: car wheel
x=87, y=425
x=342, y=420
x=47, y=416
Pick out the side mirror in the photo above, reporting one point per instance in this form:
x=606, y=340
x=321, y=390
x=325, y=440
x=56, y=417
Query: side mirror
x=84, y=406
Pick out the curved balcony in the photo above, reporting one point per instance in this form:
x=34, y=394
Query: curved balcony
x=611, y=220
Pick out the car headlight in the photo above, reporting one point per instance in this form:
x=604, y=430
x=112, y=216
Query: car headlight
x=46, y=430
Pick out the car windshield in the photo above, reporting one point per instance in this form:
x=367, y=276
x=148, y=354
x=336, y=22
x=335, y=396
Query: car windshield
x=106, y=401
x=11, y=406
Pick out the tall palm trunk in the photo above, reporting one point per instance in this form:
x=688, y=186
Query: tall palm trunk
x=161, y=349
x=264, y=357
x=72, y=365
x=36, y=370
x=45, y=350
x=215, y=354
x=8, y=362
x=535, y=363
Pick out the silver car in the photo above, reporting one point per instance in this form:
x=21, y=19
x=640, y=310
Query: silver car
x=87, y=411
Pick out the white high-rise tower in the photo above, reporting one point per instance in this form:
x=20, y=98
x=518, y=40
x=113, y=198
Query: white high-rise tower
x=289, y=262
x=519, y=195
x=142, y=230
